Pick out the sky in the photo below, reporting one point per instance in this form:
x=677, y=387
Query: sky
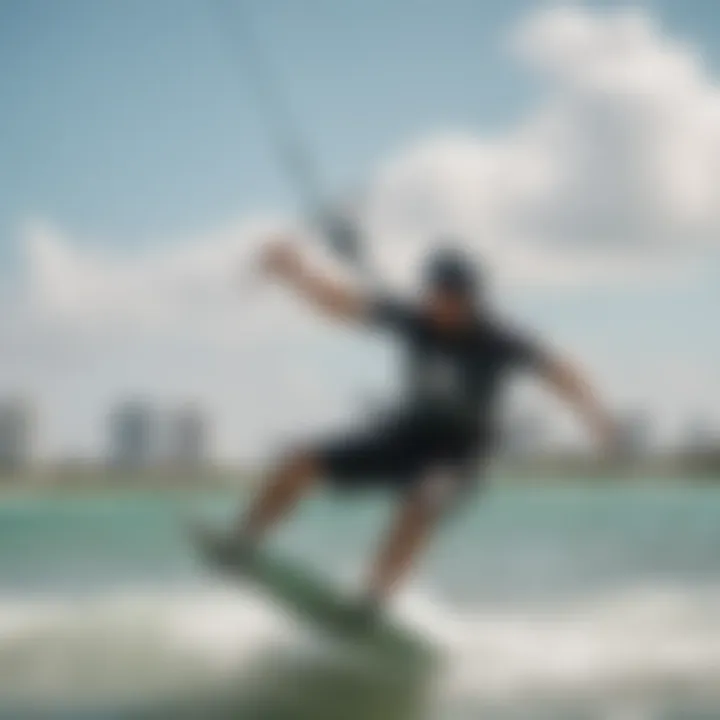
x=574, y=147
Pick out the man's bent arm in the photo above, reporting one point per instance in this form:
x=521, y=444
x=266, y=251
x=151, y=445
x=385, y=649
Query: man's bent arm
x=571, y=385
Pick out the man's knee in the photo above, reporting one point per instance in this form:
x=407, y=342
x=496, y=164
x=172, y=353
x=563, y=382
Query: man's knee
x=438, y=492
x=303, y=464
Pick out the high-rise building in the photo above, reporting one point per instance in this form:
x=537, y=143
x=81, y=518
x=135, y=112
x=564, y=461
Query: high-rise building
x=523, y=435
x=700, y=435
x=635, y=436
x=188, y=437
x=16, y=434
x=133, y=435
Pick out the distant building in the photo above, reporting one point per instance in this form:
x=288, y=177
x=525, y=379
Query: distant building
x=523, y=435
x=700, y=435
x=188, y=437
x=133, y=435
x=16, y=434
x=634, y=434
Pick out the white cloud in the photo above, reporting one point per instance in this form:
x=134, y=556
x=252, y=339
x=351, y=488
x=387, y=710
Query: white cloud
x=614, y=175
x=184, y=281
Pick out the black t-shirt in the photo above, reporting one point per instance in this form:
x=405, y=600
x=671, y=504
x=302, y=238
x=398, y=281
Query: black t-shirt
x=455, y=378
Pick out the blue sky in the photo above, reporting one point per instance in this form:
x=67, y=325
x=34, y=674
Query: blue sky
x=133, y=119
x=127, y=119
x=126, y=124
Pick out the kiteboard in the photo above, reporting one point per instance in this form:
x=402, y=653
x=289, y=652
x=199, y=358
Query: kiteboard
x=312, y=599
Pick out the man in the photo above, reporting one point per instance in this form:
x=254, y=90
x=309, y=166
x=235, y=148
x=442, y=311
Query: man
x=429, y=451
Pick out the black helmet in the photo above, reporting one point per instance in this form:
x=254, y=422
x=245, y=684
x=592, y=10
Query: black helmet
x=451, y=270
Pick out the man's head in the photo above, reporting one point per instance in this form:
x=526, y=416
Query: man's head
x=451, y=287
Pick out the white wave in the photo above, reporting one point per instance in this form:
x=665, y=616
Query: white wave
x=131, y=645
x=139, y=644
x=666, y=639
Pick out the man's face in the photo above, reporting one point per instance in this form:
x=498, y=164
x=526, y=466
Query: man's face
x=448, y=310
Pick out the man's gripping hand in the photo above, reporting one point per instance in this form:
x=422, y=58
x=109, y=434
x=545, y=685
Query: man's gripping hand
x=281, y=259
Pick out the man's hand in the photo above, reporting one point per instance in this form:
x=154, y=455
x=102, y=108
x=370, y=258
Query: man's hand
x=606, y=432
x=281, y=259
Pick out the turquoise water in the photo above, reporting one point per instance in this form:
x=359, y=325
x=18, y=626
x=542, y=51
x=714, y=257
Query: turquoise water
x=563, y=602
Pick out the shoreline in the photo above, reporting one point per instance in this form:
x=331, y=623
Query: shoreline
x=93, y=481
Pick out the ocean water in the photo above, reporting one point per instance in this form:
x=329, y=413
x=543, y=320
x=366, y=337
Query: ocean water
x=578, y=602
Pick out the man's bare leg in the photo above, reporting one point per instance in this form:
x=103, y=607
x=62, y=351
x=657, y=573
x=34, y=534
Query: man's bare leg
x=411, y=528
x=280, y=494
x=282, y=491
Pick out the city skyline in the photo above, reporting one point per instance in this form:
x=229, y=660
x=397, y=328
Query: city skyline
x=141, y=432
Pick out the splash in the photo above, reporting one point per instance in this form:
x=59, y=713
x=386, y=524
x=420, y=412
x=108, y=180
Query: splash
x=640, y=644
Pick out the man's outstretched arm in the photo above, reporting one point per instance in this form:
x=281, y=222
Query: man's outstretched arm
x=572, y=386
x=283, y=261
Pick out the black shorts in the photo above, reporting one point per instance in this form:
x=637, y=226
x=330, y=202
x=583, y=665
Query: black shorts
x=399, y=452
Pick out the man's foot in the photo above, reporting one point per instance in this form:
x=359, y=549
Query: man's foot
x=223, y=550
x=365, y=614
